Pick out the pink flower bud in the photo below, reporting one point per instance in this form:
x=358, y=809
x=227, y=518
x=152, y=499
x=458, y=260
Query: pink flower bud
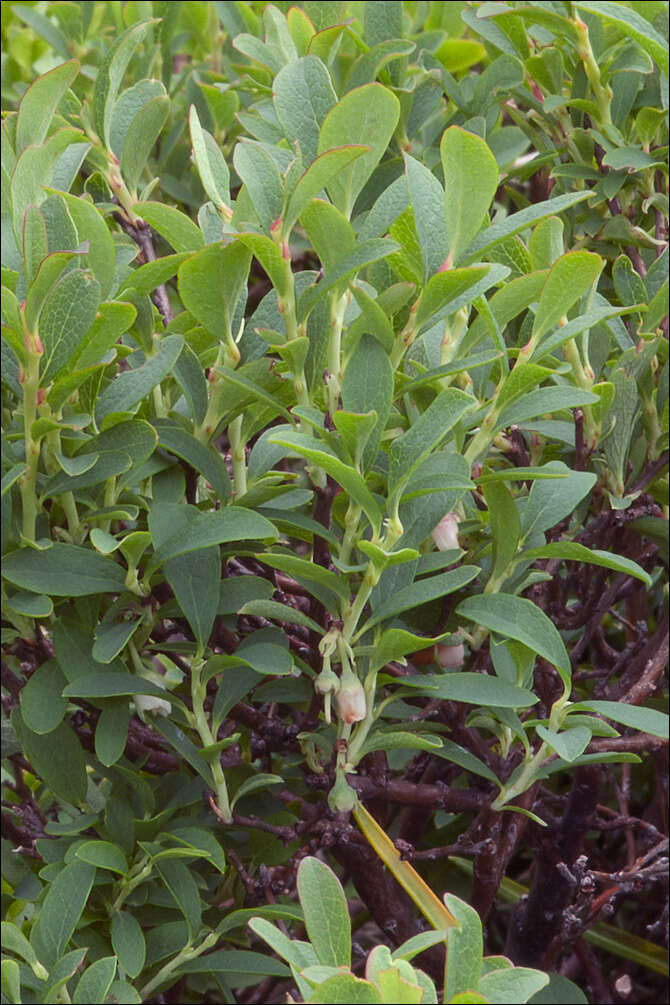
x=445, y=535
x=452, y=657
x=350, y=701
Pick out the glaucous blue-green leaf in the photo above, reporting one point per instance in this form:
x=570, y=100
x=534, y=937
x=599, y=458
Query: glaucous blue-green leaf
x=128, y=942
x=422, y=592
x=103, y=855
x=326, y=913
x=427, y=196
x=632, y=24
x=570, y=277
x=520, y=619
x=367, y=115
x=465, y=948
x=111, y=731
x=61, y=910
x=568, y=743
x=211, y=283
x=67, y=315
x=130, y=387
x=204, y=458
x=210, y=162
x=280, y=612
x=91, y=227
x=41, y=701
x=35, y=242
x=317, y=176
x=142, y=133
x=470, y=182
x=39, y=104
x=110, y=76
x=260, y=173
x=647, y=720
x=572, y=551
x=303, y=94
x=367, y=384
x=177, y=228
x=345, y=475
x=57, y=758
x=63, y=570
x=233, y=523
x=550, y=501
x=364, y=253
x=504, y=524
x=427, y=432
x=94, y=984
x=44, y=27
x=517, y=984
x=546, y=243
x=181, y=884
x=517, y=222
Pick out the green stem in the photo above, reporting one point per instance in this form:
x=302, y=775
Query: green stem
x=338, y=306
x=198, y=695
x=187, y=953
x=524, y=780
x=351, y=521
x=28, y=481
x=238, y=456
x=601, y=92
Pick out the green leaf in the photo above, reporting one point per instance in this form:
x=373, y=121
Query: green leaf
x=446, y=291
x=365, y=253
x=569, y=743
x=346, y=987
x=45, y=28
x=181, y=884
x=425, y=194
x=233, y=523
x=91, y=227
x=514, y=224
x=464, y=948
x=549, y=502
x=68, y=313
x=110, y=76
x=326, y=913
x=42, y=706
x=236, y=962
x=422, y=592
x=451, y=751
x=111, y=684
x=367, y=115
x=634, y=26
x=570, y=277
x=303, y=95
x=309, y=571
x=112, y=637
x=94, y=984
x=111, y=321
x=185, y=748
x=194, y=577
x=211, y=283
x=475, y=689
x=35, y=243
x=546, y=243
x=177, y=229
x=296, y=952
x=129, y=388
x=111, y=732
x=317, y=176
x=372, y=319
x=204, y=840
x=513, y=985
x=260, y=173
x=142, y=133
x=63, y=570
x=505, y=527
x=560, y=991
x=253, y=784
x=204, y=458
x=61, y=910
x=543, y=402
x=471, y=180
x=147, y=277
x=62, y=971
x=647, y=720
x=520, y=619
x=210, y=162
x=572, y=551
x=103, y=855
x=280, y=612
x=367, y=384
x=346, y=476
x=39, y=103
x=330, y=232
x=427, y=432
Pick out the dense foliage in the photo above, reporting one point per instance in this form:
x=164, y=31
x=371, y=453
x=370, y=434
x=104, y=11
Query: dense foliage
x=335, y=488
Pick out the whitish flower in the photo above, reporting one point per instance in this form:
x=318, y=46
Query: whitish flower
x=445, y=535
x=148, y=703
x=450, y=656
x=350, y=700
